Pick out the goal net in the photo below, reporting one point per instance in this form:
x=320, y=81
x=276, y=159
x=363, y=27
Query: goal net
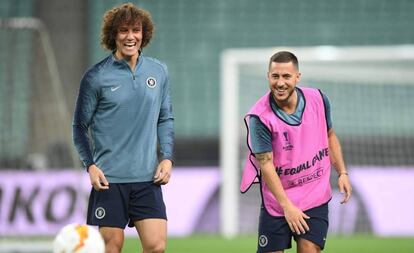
x=371, y=91
x=35, y=123
x=35, y=132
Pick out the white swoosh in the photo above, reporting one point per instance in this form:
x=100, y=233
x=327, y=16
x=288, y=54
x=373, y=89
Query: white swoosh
x=115, y=88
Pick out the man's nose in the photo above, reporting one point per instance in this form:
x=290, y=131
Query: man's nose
x=280, y=82
x=130, y=34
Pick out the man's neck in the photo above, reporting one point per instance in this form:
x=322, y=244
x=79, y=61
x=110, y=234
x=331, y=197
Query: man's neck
x=131, y=61
x=289, y=105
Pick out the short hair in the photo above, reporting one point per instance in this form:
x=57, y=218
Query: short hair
x=284, y=57
x=125, y=14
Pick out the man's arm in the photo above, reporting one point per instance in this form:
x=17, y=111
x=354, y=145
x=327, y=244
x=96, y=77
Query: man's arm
x=165, y=131
x=338, y=163
x=293, y=215
x=86, y=103
x=85, y=108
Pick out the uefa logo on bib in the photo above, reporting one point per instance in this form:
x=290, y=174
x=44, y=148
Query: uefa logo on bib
x=287, y=145
x=151, y=82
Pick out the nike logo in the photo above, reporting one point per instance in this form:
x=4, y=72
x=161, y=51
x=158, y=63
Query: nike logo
x=114, y=88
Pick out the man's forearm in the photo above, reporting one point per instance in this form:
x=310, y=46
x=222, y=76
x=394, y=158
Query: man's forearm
x=81, y=142
x=166, y=139
x=336, y=156
x=271, y=178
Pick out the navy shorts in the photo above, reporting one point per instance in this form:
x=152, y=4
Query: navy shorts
x=275, y=234
x=125, y=203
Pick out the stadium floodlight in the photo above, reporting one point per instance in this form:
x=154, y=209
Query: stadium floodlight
x=383, y=66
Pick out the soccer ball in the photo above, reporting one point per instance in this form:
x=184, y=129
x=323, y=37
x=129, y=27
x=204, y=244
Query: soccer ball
x=78, y=238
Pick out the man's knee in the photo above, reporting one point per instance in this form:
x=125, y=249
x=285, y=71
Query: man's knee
x=113, y=245
x=307, y=246
x=155, y=247
x=113, y=248
x=113, y=241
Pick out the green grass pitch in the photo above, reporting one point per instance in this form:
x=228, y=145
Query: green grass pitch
x=247, y=244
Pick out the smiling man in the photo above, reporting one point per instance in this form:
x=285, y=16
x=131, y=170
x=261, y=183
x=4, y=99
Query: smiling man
x=124, y=103
x=292, y=146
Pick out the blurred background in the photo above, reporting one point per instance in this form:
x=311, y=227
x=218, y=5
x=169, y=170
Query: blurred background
x=47, y=45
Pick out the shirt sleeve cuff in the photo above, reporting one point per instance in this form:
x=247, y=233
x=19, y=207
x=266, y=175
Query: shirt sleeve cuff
x=168, y=157
x=87, y=164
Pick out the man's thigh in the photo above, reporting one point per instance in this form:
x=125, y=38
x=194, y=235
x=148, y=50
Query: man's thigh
x=318, y=224
x=113, y=237
x=274, y=233
x=152, y=232
x=146, y=202
x=109, y=208
x=306, y=246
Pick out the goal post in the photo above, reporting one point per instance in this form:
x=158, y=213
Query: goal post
x=353, y=65
x=44, y=89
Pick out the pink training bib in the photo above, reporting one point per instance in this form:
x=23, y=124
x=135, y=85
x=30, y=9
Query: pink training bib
x=300, y=155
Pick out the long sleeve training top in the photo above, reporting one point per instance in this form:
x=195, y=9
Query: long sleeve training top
x=121, y=115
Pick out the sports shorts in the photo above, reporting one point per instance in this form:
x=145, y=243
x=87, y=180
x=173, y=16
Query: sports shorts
x=125, y=203
x=275, y=234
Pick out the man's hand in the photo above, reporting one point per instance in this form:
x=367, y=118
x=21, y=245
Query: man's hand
x=296, y=219
x=97, y=178
x=344, y=187
x=293, y=215
x=163, y=173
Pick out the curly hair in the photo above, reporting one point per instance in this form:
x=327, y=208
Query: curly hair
x=125, y=14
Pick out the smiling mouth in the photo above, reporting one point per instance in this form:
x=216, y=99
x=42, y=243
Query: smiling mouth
x=130, y=44
x=279, y=91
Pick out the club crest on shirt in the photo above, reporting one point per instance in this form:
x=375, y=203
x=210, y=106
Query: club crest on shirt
x=263, y=241
x=100, y=212
x=151, y=82
x=287, y=145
